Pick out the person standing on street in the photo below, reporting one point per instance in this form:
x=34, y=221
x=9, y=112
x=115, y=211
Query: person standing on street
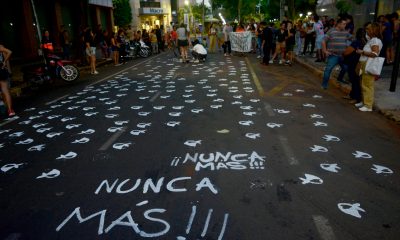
x=320, y=34
x=371, y=49
x=281, y=36
x=5, y=55
x=212, y=34
x=65, y=42
x=183, y=42
x=227, y=44
x=333, y=46
x=266, y=45
x=91, y=50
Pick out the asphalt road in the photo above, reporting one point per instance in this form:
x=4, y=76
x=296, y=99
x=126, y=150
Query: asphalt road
x=226, y=149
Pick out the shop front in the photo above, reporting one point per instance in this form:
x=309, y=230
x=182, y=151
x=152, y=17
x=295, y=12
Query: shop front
x=147, y=15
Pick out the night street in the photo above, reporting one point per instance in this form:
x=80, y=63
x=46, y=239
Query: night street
x=226, y=149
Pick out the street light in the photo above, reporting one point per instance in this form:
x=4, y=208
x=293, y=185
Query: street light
x=301, y=15
x=309, y=13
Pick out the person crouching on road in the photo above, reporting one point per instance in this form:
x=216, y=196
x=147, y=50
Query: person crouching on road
x=371, y=49
x=199, y=52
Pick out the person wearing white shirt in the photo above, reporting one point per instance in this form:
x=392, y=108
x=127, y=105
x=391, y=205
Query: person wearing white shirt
x=371, y=49
x=199, y=52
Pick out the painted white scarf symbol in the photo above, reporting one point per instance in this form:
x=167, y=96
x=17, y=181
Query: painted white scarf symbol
x=111, y=115
x=53, y=116
x=159, y=107
x=37, y=148
x=67, y=119
x=197, y=110
x=175, y=114
x=359, y=154
x=10, y=166
x=317, y=148
x=246, y=123
x=173, y=124
x=52, y=174
x=246, y=107
x=249, y=113
x=144, y=114
x=320, y=124
x=330, y=167
x=330, y=138
x=236, y=103
x=53, y=134
x=114, y=129
x=215, y=106
x=89, y=114
x=16, y=134
x=311, y=179
x=73, y=107
x=381, y=169
x=317, y=96
x=38, y=125
x=26, y=141
x=218, y=100
x=178, y=107
x=137, y=132
x=238, y=96
x=69, y=155
x=192, y=143
x=282, y=111
x=45, y=111
x=253, y=135
x=136, y=107
x=309, y=105
x=274, y=125
x=89, y=131
x=143, y=125
x=82, y=140
x=25, y=122
x=71, y=126
x=42, y=130
x=120, y=123
x=114, y=108
x=121, y=146
x=351, y=209
x=88, y=108
x=190, y=101
x=254, y=100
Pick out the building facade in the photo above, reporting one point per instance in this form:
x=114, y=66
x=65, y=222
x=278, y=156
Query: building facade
x=148, y=14
x=21, y=28
x=362, y=13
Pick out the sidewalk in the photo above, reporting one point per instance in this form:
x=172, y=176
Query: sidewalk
x=386, y=102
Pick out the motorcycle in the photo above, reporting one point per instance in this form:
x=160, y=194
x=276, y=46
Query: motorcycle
x=54, y=67
x=137, y=49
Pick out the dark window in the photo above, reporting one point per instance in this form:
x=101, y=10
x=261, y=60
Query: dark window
x=150, y=4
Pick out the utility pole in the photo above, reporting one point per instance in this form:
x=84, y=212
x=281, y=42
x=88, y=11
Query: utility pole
x=395, y=71
x=239, y=7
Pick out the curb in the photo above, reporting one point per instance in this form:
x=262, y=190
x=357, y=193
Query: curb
x=389, y=114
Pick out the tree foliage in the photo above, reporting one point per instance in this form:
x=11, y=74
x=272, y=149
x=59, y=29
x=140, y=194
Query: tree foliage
x=122, y=13
x=261, y=9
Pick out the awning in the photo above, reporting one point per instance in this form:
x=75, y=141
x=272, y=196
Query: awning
x=103, y=3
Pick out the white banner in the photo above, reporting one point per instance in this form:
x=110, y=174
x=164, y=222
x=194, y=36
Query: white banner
x=240, y=41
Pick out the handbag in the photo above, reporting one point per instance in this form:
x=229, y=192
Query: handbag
x=374, y=65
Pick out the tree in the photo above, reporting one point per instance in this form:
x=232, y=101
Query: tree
x=122, y=13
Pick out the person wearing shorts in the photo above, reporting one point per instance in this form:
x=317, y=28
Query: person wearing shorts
x=91, y=50
x=282, y=35
x=4, y=79
x=320, y=34
x=183, y=42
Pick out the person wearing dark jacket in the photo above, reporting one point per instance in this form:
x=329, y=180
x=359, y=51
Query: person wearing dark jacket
x=267, y=39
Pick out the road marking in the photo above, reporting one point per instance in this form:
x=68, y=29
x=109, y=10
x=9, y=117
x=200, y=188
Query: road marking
x=288, y=151
x=324, y=229
x=56, y=100
x=112, y=139
x=255, y=78
x=269, y=109
x=9, y=121
x=155, y=96
x=123, y=70
x=279, y=87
